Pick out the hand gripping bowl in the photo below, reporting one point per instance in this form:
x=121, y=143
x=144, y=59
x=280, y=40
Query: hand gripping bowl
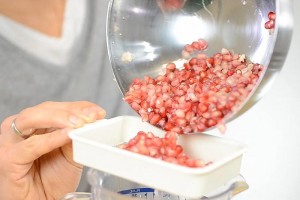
x=142, y=36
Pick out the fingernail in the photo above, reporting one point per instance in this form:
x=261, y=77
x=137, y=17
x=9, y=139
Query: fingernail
x=76, y=121
x=90, y=114
x=102, y=113
x=94, y=113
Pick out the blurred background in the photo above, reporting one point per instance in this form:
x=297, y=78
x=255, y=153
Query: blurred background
x=271, y=131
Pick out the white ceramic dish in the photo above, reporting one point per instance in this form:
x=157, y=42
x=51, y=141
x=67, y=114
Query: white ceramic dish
x=94, y=145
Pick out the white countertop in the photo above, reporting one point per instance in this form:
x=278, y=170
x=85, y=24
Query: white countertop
x=271, y=129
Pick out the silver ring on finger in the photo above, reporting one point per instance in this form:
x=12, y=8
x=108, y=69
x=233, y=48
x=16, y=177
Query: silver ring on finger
x=17, y=131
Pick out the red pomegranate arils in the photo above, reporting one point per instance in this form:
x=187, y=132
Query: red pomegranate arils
x=270, y=24
x=165, y=148
x=197, y=96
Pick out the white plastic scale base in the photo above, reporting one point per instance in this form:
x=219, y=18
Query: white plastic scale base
x=94, y=145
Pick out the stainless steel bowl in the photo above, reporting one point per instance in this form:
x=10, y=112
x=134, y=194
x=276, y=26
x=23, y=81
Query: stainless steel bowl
x=141, y=36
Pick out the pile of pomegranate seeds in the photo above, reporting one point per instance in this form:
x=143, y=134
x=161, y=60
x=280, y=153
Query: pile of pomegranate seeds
x=270, y=24
x=199, y=95
x=161, y=148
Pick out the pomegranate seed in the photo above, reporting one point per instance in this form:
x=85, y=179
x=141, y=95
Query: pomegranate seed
x=269, y=24
x=168, y=126
x=171, y=67
x=181, y=122
x=216, y=114
x=180, y=113
x=271, y=15
x=189, y=48
x=211, y=122
x=203, y=44
x=202, y=108
x=136, y=106
x=193, y=61
x=155, y=119
x=196, y=45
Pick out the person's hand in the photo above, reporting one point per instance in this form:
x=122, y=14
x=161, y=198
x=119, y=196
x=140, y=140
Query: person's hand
x=41, y=166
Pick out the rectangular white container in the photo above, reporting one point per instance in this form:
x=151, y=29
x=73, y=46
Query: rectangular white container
x=94, y=145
